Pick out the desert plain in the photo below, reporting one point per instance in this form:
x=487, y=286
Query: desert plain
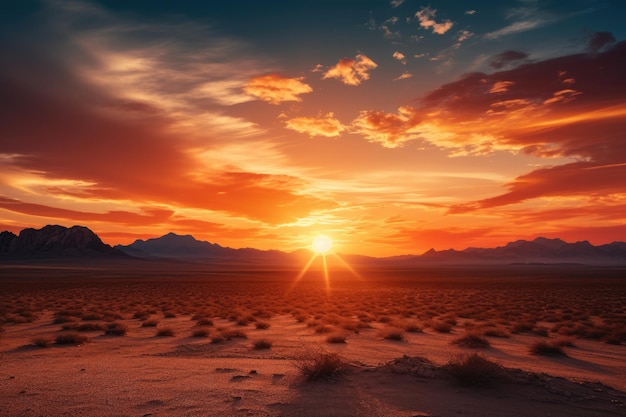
x=178, y=339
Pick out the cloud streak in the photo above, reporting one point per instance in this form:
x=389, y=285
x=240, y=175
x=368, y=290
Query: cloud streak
x=275, y=89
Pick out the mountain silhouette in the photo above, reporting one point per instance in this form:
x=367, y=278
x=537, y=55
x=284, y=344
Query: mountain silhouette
x=61, y=242
x=54, y=242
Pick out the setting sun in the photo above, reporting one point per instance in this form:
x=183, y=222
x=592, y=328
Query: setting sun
x=322, y=244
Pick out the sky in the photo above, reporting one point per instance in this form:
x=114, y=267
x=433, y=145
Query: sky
x=392, y=127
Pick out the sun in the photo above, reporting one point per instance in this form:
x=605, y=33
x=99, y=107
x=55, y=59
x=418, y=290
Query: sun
x=322, y=244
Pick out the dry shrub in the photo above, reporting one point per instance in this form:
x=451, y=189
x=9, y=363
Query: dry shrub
x=323, y=328
x=262, y=344
x=475, y=371
x=262, y=325
x=71, y=338
x=89, y=327
x=205, y=322
x=150, y=323
x=546, y=348
x=392, y=334
x=413, y=327
x=201, y=332
x=217, y=339
x=165, y=331
x=496, y=332
x=336, y=338
x=116, y=329
x=321, y=366
x=472, y=340
x=233, y=333
x=441, y=326
x=42, y=341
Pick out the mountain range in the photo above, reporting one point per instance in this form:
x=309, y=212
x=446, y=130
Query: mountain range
x=57, y=242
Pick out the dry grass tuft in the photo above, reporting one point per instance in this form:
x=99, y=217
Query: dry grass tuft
x=547, y=348
x=336, y=338
x=262, y=344
x=321, y=366
x=392, y=334
x=201, y=332
x=71, y=338
x=150, y=323
x=42, y=341
x=262, y=325
x=165, y=332
x=116, y=329
x=472, y=340
x=475, y=371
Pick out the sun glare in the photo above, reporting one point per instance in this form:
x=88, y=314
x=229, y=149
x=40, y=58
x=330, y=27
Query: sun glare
x=322, y=244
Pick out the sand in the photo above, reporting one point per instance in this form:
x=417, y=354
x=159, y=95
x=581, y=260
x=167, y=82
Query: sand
x=140, y=374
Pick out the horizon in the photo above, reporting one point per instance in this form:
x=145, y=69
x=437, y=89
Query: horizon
x=392, y=127
x=312, y=247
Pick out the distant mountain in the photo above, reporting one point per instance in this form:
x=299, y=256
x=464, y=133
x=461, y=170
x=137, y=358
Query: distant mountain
x=54, y=242
x=51, y=242
x=188, y=248
x=540, y=250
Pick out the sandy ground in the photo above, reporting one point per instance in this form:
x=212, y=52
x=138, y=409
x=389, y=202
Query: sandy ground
x=140, y=374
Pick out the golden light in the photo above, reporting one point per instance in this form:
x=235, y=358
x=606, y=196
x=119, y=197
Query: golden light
x=322, y=244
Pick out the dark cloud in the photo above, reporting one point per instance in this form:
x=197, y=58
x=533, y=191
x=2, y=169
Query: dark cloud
x=599, y=40
x=505, y=58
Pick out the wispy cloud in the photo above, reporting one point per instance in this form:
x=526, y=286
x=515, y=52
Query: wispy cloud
x=351, y=71
x=275, y=88
x=516, y=27
x=400, y=57
x=403, y=76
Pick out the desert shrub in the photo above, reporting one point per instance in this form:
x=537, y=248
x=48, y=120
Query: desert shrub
x=441, y=326
x=321, y=366
x=392, y=334
x=205, y=322
x=71, y=338
x=150, y=323
x=474, y=370
x=564, y=342
x=546, y=348
x=323, y=328
x=89, y=327
x=42, y=341
x=201, y=332
x=385, y=319
x=217, y=339
x=262, y=344
x=169, y=314
x=64, y=319
x=233, y=333
x=413, y=327
x=522, y=327
x=336, y=338
x=165, y=331
x=262, y=325
x=92, y=317
x=116, y=329
x=496, y=332
x=472, y=340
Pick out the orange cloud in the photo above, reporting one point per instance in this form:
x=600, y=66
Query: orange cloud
x=390, y=130
x=426, y=19
x=327, y=126
x=275, y=88
x=351, y=71
x=403, y=76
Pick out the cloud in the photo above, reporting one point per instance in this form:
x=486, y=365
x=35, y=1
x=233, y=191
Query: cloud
x=400, y=57
x=506, y=58
x=327, y=126
x=396, y=3
x=389, y=130
x=403, y=76
x=275, y=88
x=426, y=19
x=516, y=27
x=470, y=12
x=464, y=35
x=599, y=40
x=351, y=71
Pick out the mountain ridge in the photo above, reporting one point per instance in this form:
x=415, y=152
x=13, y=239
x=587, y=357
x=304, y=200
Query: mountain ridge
x=55, y=241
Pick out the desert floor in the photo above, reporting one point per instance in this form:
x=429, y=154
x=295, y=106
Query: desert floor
x=234, y=342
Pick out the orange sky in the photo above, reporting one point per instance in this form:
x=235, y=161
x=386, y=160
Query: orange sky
x=391, y=127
